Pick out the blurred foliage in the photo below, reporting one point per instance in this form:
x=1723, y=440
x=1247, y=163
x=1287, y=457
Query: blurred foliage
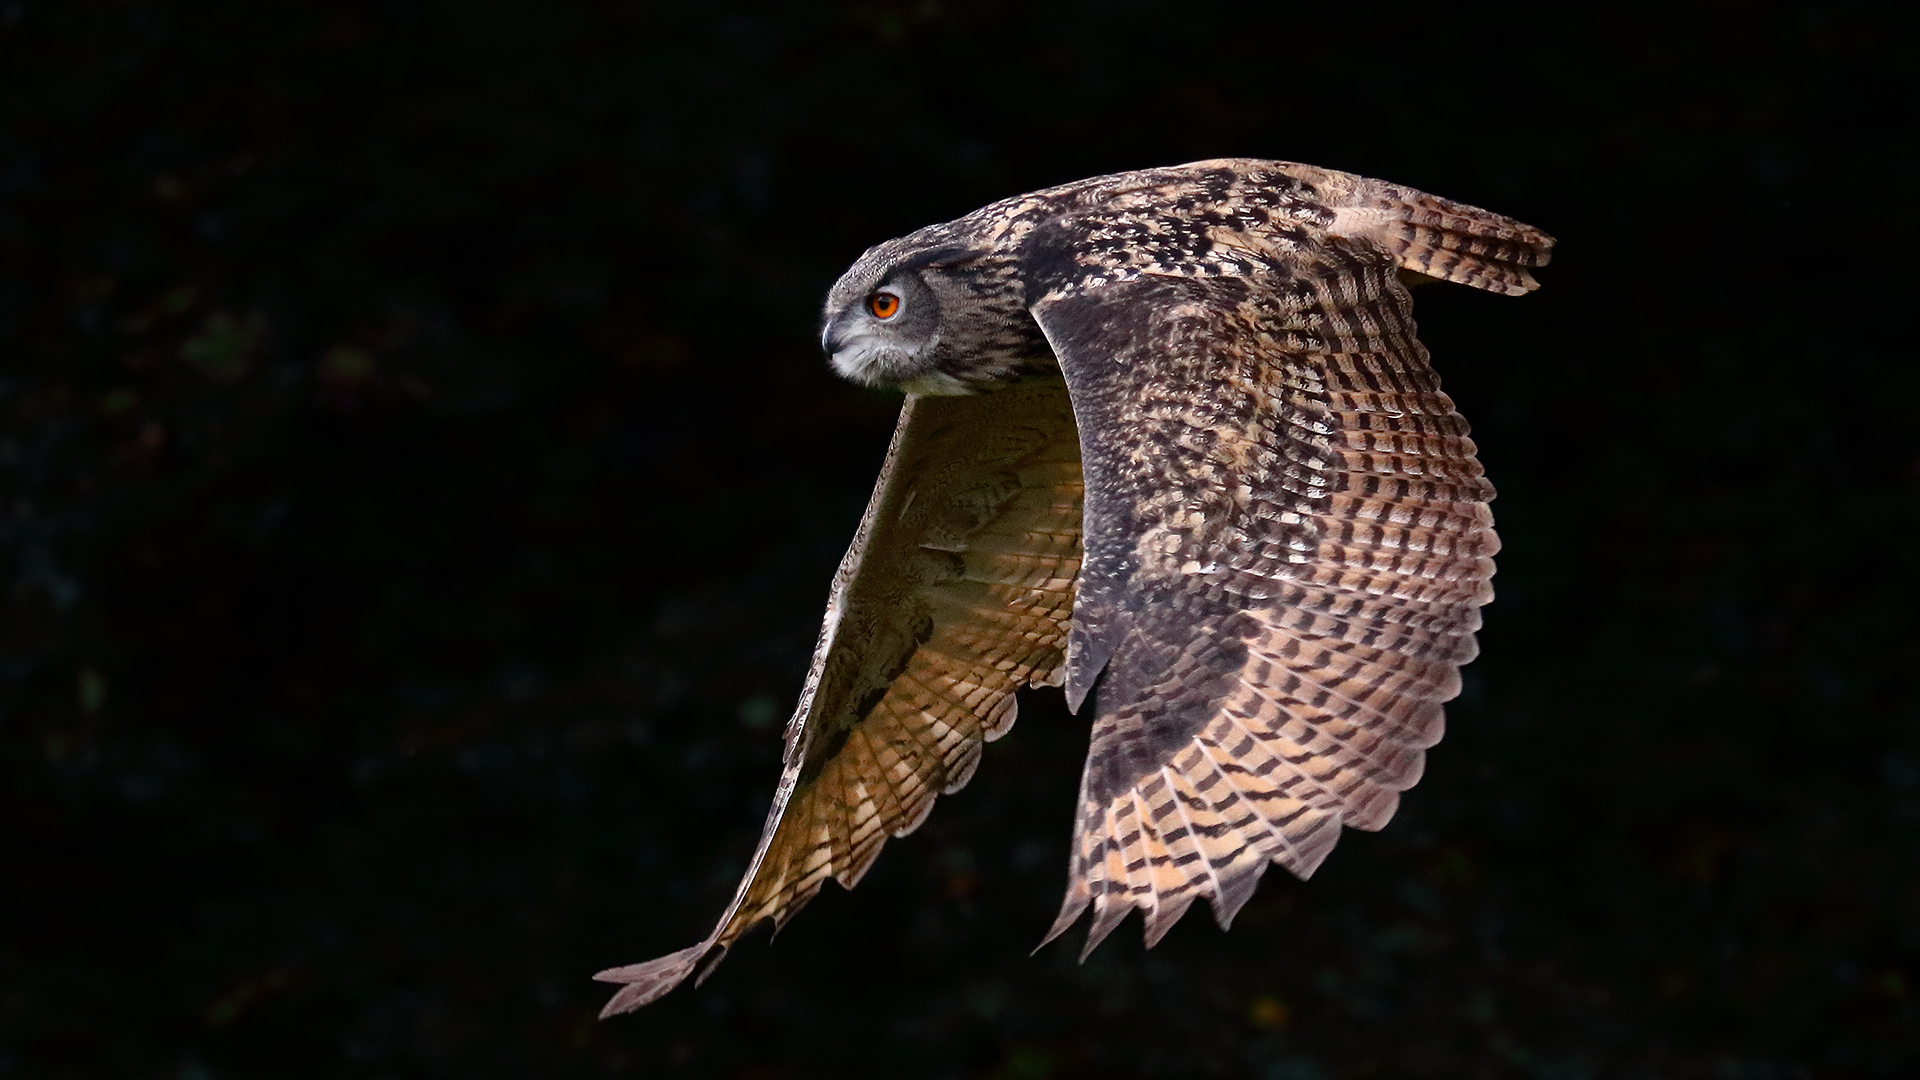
x=419, y=483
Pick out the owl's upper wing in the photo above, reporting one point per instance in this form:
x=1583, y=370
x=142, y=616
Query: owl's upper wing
x=956, y=592
x=1287, y=539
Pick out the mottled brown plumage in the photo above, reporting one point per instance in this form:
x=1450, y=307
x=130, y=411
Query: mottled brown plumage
x=1171, y=441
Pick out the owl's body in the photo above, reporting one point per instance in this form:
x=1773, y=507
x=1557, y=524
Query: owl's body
x=1169, y=441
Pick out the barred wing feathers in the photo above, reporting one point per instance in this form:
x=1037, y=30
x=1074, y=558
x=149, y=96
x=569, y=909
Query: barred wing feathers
x=1286, y=531
x=957, y=591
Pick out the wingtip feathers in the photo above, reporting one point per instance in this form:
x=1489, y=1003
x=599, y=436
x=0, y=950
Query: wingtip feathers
x=649, y=981
x=1070, y=909
x=1234, y=892
x=1162, y=916
x=1109, y=911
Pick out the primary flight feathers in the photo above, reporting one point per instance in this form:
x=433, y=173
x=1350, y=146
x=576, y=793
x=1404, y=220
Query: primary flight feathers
x=1170, y=441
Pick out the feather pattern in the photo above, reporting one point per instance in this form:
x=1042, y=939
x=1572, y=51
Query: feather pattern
x=1207, y=481
x=1286, y=528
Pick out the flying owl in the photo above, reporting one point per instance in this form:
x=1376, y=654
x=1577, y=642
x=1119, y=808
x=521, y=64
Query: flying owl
x=1169, y=441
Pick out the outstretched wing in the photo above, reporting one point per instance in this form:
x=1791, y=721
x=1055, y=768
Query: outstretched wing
x=956, y=592
x=1287, y=534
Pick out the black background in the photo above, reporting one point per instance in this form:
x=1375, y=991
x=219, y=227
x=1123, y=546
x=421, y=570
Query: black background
x=419, y=484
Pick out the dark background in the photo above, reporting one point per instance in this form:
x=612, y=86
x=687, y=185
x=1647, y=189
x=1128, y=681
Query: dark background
x=420, y=483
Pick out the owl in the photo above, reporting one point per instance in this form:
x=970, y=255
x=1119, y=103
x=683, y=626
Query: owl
x=1169, y=441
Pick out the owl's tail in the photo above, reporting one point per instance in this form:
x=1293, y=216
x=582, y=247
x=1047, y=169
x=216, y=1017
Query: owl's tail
x=1429, y=235
x=1465, y=244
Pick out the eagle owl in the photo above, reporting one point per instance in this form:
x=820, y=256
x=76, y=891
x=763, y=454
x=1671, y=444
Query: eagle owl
x=1169, y=440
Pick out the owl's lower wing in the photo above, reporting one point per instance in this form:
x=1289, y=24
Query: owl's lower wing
x=955, y=593
x=1287, y=546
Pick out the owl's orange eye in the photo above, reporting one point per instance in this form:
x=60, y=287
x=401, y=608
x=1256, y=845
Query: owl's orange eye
x=884, y=305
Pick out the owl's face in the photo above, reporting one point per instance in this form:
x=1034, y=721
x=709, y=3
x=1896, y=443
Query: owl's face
x=929, y=320
x=888, y=331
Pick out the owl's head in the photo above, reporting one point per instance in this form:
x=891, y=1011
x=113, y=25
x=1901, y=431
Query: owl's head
x=930, y=317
